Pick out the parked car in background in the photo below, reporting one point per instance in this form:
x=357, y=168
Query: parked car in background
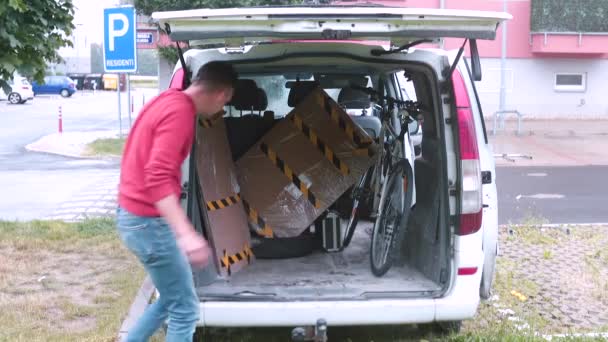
x=20, y=92
x=55, y=85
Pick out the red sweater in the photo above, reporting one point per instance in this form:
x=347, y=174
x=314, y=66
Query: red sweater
x=155, y=149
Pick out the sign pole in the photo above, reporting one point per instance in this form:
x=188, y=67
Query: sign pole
x=120, y=48
x=119, y=109
x=129, y=98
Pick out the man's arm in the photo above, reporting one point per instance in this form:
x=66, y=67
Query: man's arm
x=171, y=136
x=171, y=210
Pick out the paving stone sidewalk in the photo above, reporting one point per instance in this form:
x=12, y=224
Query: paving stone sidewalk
x=96, y=201
x=562, y=274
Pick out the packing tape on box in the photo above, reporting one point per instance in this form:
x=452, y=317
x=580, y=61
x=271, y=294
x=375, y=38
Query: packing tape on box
x=315, y=140
x=206, y=123
x=223, y=203
x=228, y=260
x=347, y=127
x=264, y=229
x=287, y=171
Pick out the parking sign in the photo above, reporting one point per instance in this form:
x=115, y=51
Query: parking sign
x=119, y=39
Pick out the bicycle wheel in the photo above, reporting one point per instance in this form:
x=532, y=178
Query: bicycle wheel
x=359, y=195
x=392, y=217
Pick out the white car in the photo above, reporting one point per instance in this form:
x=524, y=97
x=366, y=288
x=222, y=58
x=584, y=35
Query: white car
x=451, y=240
x=21, y=91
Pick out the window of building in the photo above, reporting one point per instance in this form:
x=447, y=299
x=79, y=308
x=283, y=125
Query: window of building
x=570, y=82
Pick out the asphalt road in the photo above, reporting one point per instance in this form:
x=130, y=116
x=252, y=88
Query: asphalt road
x=35, y=184
x=572, y=194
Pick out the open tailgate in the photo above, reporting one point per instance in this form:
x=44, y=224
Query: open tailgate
x=239, y=25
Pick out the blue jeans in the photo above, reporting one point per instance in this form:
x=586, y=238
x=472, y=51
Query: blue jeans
x=153, y=243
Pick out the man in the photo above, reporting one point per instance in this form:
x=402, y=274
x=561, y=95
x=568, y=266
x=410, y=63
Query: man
x=150, y=220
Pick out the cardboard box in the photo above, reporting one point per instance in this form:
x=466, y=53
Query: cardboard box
x=302, y=166
x=229, y=231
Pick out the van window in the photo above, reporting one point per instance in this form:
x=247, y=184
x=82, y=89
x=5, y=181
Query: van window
x=278, y=93
x=408, y=92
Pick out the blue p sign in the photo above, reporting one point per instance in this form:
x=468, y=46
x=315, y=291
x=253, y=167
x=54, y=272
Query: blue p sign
x=119, y=39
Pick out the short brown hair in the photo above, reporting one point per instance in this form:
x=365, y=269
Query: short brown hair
x=216, y=75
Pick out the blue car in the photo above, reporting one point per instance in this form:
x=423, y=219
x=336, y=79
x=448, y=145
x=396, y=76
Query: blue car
x=53, y=85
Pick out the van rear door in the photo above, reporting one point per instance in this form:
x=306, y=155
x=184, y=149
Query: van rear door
x=237, y=26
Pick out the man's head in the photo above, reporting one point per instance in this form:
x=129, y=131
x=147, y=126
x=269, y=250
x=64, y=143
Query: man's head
x=212, y=87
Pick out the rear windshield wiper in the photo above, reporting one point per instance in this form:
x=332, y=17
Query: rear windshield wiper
x=380, y=52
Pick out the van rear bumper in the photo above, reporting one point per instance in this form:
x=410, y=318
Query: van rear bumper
x=337, y=313
x=460, y=303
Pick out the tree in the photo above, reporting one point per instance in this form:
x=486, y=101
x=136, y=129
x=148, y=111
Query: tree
x=31, y=32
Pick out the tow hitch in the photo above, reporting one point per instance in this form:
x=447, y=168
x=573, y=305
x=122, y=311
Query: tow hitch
x=316, y=333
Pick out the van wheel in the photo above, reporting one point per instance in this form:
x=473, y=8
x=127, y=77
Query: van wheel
x=65, y=93
x=487, y=276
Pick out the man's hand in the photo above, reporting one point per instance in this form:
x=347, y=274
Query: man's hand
x=195, y=248
x=189, y=241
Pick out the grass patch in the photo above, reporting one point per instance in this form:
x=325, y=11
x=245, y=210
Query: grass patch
x=534, y=235
x=105, y=147
x=547, y=255
x=75, y=281
x=57, y=235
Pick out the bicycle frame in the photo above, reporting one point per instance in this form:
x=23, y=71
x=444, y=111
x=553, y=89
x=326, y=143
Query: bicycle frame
x=394, y=148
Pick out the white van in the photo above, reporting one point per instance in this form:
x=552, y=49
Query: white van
x=450, y=244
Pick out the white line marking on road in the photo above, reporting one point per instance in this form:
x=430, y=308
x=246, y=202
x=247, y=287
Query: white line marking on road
x=541, y=196
x=537, y=174
x=559, y=225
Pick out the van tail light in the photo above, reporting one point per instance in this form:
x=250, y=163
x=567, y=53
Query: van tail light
x=471, y=196
x=467, y=271
x=25, y=88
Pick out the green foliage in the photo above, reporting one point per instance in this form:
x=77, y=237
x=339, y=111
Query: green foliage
x=569, y=16
x=31, y=32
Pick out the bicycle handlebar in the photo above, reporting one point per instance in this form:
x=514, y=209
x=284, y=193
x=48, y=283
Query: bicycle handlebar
x=408, y=104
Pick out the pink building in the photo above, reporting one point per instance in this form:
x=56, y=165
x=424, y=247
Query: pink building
x=548, y=74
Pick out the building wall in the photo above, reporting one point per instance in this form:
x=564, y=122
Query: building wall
x=530, y=87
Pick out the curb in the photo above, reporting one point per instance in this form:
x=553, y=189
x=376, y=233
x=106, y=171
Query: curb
x=139, y=305
x=48, y=151
x=42, y=145
x=555, y=225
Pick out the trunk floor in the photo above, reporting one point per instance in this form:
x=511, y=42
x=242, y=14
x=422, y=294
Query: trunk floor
x=322, y=275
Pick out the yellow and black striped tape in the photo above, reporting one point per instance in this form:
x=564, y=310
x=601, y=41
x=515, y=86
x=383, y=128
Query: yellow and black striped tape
x=364, y=152
x=347, y=127
x=322, y=146
x=265, y=230
x=223, y=203
x=228, y=260
x=205, y=122
x=278, y=162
